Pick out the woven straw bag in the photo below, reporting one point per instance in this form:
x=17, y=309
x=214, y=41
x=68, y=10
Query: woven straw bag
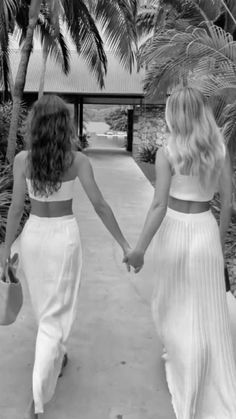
x=11, y=295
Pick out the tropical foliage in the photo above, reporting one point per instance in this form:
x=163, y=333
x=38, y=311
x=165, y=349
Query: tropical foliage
x=5, y=120
x=189, y=43
x=7, y=20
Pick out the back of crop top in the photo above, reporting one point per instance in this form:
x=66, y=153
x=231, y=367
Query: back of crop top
x=188, y=188
x=64, y=193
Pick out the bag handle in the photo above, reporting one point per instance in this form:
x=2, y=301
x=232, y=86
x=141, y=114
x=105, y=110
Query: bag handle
x=10, y=269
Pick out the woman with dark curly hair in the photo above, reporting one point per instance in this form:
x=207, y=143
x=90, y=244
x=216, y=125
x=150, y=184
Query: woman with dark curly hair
x=49, y=245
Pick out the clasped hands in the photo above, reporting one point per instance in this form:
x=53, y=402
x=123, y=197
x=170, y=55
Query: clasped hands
x=134, y=258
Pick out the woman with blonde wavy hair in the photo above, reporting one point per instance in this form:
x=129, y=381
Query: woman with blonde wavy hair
x=49, y=245
x=189, y=301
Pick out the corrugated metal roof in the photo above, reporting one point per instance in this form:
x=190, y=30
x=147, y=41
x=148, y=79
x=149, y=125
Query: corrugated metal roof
x=118, y=81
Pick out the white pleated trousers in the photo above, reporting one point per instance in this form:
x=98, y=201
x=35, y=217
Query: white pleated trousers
x=191, y=316
x=51, y=261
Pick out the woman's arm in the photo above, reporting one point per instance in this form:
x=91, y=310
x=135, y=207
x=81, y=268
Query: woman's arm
x=17, y=204
x=104, y=211
x=156, y=211
x=225, y=190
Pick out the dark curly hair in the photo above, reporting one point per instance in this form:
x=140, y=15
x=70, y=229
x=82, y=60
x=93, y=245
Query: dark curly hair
x=50, y=144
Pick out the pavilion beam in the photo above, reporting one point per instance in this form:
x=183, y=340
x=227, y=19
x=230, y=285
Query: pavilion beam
x=81, y=117
x=130, y=126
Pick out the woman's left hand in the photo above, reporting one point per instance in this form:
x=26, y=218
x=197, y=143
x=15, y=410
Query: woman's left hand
x=135, y=258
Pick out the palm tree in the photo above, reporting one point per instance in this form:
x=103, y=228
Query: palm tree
x=116, y=19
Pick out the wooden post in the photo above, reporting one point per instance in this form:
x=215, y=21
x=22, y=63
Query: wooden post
x=76, y=116
x=81, y=117
x=130, y=126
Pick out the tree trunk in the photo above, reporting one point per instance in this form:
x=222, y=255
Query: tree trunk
x=11, y=80
x=42, y=75
x=20, y=79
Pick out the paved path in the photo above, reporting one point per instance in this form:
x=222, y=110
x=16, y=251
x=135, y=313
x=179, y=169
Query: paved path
x=114, y=370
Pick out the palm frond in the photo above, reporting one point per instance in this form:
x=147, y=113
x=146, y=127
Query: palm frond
x=11, y=6
x=86, y=37
x=117, y=19
x=211, y=8
x=150, y=18
x=53, y=42
x=22, y=20
x=228, y=8
x=218, y=104
x=230, y=125
x=180, y=16
x=54, y=11
x=206, y=53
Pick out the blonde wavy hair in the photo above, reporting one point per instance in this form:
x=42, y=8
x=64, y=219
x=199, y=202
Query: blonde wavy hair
x=196, y=145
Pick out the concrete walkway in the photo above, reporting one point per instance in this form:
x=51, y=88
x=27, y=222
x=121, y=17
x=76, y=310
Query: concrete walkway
x=114, y=370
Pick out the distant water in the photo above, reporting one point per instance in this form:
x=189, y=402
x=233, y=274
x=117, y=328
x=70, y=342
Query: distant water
x=97, y=127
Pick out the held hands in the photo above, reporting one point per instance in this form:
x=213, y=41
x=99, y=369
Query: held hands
x=126, y=250
x=134, y=258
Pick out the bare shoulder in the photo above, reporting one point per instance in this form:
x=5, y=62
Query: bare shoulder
x=21, y=156
x=80, y=160
x=20, y=161
x=161, y=158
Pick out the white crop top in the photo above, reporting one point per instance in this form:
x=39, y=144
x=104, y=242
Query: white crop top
x=189, y=188
x=64, y=193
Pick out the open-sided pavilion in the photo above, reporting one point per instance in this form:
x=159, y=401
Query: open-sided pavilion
x=80, y=86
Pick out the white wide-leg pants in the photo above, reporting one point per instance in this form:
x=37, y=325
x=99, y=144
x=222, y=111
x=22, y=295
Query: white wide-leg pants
x=51, y=261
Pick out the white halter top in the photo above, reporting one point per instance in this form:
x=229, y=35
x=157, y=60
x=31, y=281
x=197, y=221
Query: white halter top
x=64, y=193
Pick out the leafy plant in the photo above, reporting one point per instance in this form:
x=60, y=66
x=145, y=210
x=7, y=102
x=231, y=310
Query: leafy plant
x=147, y=152
x=83, y=141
